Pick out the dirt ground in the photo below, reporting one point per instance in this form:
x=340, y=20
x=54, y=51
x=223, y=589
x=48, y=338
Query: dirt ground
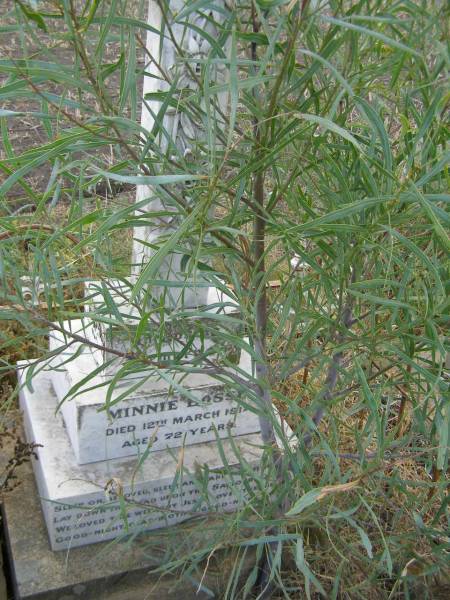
x=27, y=133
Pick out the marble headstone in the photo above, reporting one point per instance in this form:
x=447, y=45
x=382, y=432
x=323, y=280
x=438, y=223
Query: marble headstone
x=160, y=414
x=82, y=503
x=168, y=449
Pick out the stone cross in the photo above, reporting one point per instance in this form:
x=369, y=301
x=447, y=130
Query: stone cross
x=173, y=62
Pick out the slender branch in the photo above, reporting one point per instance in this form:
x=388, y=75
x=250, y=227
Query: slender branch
x=261, y=368
x=214, y=371
x=276, y=88
x=37, y=227
x=264, y=582
x=333, y=370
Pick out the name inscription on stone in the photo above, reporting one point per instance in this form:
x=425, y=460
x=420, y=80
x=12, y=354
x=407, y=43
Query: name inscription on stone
x=99, y=518
x=160, y=422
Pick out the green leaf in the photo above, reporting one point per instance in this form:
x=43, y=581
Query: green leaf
x=375, y=34
x=32, y=16
x=412, y=247
x=348, y=88
x=268, y=4
x=440, y=232
x=151, y=268
x=150, y=179
x=94, y=4
x=304, y=568
x=443, y=433
x=371, y=299
x=435, y=170
x=327, y=124
x=197, y=6
x=305, y=501
x=234, y=91
x=365, y=540
x=380, y=130
x=347, y=210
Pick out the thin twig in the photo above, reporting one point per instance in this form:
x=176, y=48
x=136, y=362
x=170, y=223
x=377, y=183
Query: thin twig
x=333, y=370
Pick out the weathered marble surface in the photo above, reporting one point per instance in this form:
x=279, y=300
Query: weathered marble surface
x=103, y=571
x=81, y=503
x=157, y=414
x=180, y=62
x=115, y=338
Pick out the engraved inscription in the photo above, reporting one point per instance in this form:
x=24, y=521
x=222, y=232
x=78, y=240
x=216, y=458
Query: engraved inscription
x=148, y=507
x=160, y=423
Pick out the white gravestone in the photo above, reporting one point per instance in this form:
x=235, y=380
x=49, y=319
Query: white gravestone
x=81, y=503
x=115, y=435
x=83, y=471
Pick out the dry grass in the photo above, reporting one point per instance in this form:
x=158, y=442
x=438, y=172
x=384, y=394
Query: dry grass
x=395, y=507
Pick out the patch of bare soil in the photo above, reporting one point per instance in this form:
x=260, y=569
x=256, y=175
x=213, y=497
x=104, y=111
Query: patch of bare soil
x=22, y=134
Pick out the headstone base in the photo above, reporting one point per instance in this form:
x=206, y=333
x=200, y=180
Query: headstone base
x=104, y=571
x=109, y=499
